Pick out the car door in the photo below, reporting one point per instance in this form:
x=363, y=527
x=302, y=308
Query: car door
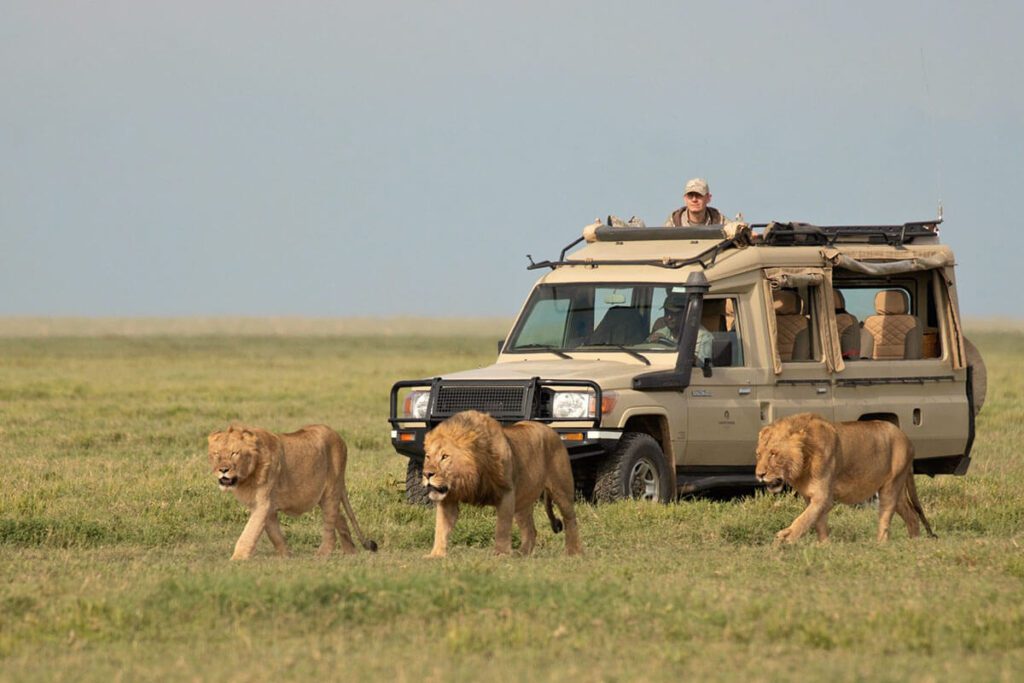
x=723, y=409
x=802, y=338
x=922, y=391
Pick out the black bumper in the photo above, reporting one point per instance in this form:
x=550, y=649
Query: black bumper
x=507, y=401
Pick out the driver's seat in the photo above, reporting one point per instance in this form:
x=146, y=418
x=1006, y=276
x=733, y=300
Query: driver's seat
x=621, y=325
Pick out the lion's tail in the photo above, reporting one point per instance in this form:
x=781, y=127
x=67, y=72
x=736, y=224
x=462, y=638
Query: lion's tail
x=556, y=523
x=369, y=544
x=915, y=503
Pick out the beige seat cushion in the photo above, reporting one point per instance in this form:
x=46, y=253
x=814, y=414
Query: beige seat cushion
x=848, y=327
x=843, y=319
x=895, y=334
x=791, y=324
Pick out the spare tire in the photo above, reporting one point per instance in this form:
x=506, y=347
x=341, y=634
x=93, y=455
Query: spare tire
x=979, y=378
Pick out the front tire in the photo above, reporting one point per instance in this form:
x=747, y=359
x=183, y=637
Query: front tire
x=637, y=470
x=415, y=492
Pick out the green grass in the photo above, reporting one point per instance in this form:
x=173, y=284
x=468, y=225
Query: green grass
x=114, y=542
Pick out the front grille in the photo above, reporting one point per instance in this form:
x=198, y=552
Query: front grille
x=501, y=402
x=506, y=400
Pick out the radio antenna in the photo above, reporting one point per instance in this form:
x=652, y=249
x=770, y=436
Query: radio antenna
x=930, y=114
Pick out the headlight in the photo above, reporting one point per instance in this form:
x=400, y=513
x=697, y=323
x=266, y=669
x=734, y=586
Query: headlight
x=571, y=404
x=416, y=404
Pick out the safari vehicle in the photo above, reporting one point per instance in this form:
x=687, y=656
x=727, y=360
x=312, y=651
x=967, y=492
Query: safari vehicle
x=851, y=322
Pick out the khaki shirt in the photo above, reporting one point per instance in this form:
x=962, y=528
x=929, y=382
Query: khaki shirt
x=678, y=218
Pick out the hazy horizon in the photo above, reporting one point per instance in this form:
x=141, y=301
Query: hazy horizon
x=307, y=326
x=343, y=159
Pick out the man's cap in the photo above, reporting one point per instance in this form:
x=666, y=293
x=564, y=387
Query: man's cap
x=698, y=185
x=676, y=301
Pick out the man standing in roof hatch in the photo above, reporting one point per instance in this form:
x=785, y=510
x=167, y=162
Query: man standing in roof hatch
x=696, y=210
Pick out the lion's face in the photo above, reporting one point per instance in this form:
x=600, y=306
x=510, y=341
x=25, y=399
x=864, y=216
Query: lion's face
x=233, y=456
x=780, y=456
x=465, y=460
x=438, y=462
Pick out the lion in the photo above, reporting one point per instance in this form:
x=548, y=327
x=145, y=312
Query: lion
x=847, y=462
x=289, y=473
x=471, y=458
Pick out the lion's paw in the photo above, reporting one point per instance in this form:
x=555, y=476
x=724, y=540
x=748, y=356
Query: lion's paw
x=783, y=536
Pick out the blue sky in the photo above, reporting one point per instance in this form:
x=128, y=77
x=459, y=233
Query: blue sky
x=336, y=159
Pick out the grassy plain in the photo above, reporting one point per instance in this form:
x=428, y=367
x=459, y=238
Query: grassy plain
x=114, y=542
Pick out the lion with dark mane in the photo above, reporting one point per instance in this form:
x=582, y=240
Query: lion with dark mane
x=471, y=458
x=289, y=473
x=847, y=462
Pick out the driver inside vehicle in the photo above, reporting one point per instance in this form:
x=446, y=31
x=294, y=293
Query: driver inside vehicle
x=665, y=328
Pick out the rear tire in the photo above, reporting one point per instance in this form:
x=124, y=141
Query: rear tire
x=636, y=470
x=415, y=492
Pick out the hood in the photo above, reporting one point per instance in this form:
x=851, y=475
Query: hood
x=609, y=374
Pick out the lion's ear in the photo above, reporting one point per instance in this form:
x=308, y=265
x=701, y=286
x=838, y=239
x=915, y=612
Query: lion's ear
x=214, y=436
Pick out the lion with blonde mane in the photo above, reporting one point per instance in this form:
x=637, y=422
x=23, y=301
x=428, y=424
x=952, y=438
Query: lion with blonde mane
x=847, y=462
x=471, y=458
x=290, y=473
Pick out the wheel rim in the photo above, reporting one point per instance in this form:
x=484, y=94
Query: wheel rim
x=644, y=482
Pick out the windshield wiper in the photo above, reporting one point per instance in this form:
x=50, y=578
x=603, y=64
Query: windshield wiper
x=618, y=347
x=635, y=354
x=542, y=347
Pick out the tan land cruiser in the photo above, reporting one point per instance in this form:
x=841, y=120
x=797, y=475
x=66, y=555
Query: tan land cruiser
x=658, y=353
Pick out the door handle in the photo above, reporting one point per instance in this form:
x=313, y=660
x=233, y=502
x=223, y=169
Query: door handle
x=744, y=391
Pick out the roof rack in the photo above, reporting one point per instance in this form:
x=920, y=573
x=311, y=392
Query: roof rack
x=706, y=258
x=804, y=234
x=776, y=234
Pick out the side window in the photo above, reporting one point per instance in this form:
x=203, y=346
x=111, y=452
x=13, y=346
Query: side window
x=886, y=315
x=720, y=333
x=796, y=325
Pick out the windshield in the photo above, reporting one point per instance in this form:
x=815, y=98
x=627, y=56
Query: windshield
x=637, y=317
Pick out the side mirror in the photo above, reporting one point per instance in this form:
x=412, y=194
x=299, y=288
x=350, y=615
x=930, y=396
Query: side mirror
x=501, y=344
x=706, y=367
